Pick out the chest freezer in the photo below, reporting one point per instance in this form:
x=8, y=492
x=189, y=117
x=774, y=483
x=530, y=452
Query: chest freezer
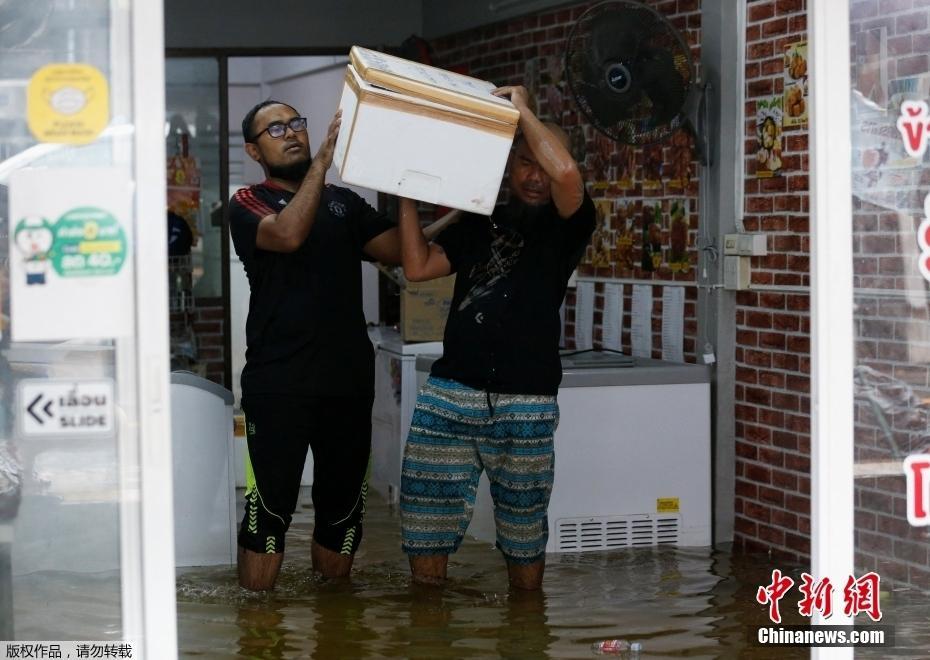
x=421, y=132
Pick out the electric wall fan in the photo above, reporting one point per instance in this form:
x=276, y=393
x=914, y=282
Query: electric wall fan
x=631, y=74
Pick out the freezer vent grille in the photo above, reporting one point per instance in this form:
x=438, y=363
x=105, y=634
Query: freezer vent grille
x=604, y=533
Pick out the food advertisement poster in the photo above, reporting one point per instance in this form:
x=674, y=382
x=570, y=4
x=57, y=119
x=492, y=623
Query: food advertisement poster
x=768, y=131
x=795, y=96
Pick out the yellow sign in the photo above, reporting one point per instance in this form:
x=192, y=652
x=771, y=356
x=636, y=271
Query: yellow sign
x=68, y=103
x=667, y=505
x=239, y=426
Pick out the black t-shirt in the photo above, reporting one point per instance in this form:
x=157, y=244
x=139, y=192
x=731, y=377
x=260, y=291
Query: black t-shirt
x=305, y=331
x=502, y=334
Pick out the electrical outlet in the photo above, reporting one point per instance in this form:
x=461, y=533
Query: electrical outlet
x=731, y=244
x=736, y=273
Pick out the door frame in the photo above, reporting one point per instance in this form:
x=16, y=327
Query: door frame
x=832, y=348
x=156, y=511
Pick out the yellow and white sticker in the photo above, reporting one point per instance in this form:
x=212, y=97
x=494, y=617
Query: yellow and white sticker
x=68, y=103
x=667, y=505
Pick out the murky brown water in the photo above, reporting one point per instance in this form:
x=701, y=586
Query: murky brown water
x=677, y=602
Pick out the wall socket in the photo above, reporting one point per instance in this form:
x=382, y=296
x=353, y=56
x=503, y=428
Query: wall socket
x=736, y=273
x=746, y=245
x=731, y=244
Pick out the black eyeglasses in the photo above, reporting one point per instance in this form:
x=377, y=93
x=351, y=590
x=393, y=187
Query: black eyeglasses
x=279, y=128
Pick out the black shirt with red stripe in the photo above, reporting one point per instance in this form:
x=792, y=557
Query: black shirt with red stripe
x=305, y=332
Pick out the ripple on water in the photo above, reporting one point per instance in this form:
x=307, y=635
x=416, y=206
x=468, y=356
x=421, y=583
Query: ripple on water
x=679, y=602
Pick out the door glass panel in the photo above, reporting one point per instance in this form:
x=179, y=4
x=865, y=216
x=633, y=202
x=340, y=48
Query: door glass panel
x=195, y=276
x=69, y=557
x=892, y=334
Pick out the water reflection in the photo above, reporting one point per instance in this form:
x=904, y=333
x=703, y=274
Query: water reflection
x=676, y=601
x=341, y=625
x=525, y=631
x=679, y=602
x=261, y=633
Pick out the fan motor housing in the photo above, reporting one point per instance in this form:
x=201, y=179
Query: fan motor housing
x=618, y=77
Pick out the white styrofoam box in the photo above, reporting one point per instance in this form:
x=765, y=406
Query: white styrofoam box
x=446, y=149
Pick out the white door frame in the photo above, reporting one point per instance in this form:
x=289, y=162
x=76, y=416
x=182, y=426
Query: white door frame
x=832, y=350
x=159, y=618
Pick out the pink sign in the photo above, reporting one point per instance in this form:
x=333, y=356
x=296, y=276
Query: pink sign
x=914, y=127
x=917, y=471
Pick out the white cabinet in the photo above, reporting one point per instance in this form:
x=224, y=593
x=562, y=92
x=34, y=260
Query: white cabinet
x=632, y=467
x=204, y=472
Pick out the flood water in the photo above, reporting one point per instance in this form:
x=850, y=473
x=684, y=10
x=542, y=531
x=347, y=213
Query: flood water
x=678, y=602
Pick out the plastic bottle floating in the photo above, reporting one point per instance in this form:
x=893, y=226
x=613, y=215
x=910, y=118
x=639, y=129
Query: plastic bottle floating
x=617, y=647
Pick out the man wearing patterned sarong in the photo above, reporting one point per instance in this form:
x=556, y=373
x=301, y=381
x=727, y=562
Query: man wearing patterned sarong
x=490, y=401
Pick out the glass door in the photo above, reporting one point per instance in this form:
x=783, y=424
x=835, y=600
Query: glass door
x=870, y=202
x=85, y=461
x=195, y=206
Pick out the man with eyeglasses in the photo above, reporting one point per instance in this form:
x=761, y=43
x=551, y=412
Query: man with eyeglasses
x=309, y=373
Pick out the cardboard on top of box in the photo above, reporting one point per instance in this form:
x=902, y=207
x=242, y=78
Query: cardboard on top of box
x=432, y=84
x=420, y=132
x=419, y=107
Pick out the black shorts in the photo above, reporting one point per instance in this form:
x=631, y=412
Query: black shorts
x=337, y=429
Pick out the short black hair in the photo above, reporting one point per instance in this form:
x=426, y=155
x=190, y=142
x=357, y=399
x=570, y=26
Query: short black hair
x=250, y=117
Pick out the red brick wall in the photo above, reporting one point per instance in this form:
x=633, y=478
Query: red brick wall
x=528, y=50
x=772, y=327
x=208, y=325
x=206, y=319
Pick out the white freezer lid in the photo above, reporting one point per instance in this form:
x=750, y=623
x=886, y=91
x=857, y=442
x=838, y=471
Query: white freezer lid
x=193, y=380
x=644, y=371
x=389, y=339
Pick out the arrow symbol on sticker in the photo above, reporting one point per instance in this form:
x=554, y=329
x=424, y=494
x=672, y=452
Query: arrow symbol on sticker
x=46, y=408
